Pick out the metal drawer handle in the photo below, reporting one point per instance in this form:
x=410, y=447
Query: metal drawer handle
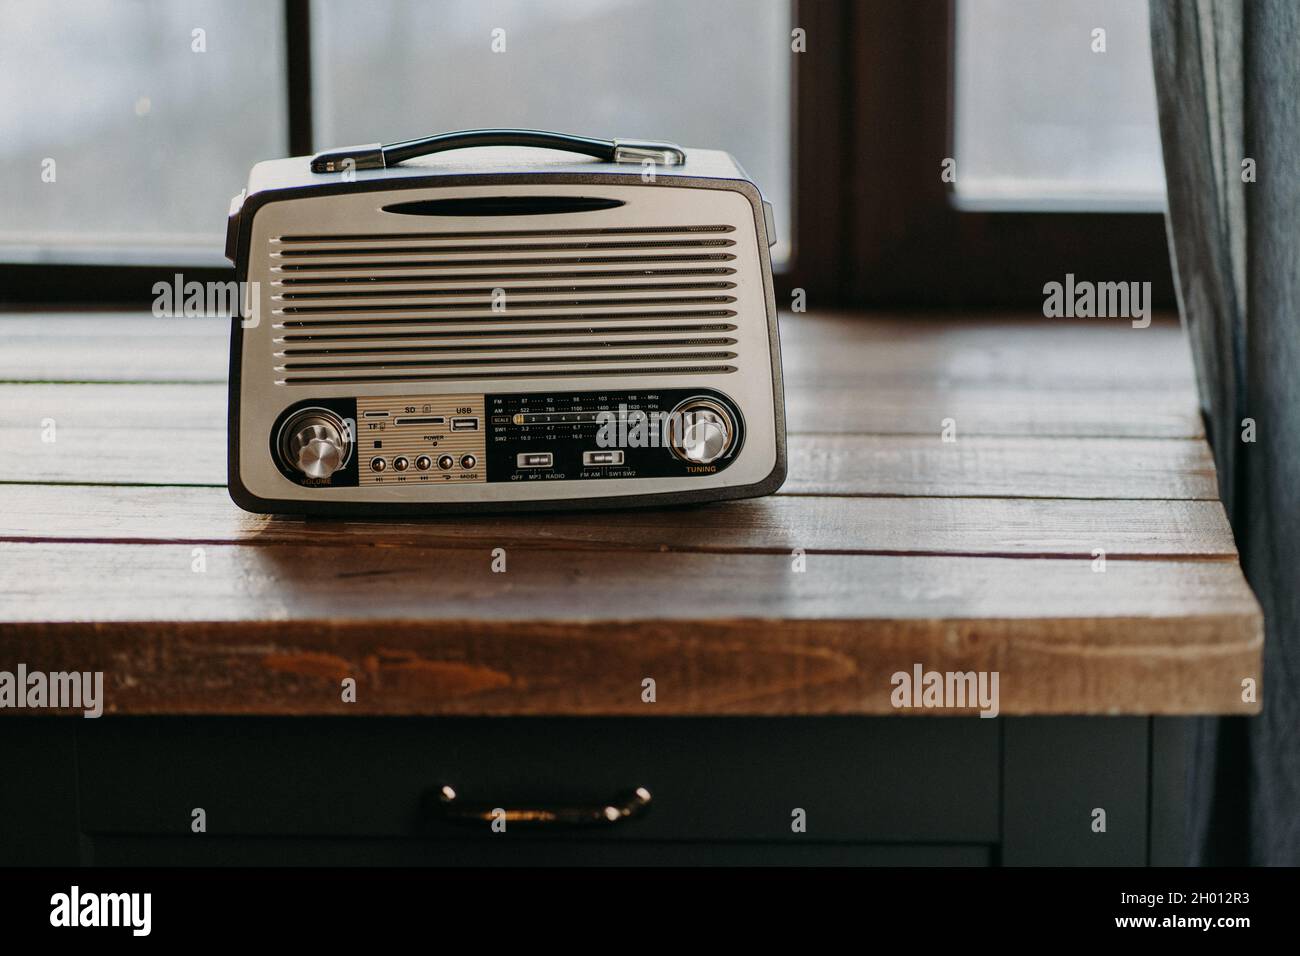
x=625, y=806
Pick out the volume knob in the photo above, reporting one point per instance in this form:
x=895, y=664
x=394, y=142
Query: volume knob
x=701, y=431
x=315, y=442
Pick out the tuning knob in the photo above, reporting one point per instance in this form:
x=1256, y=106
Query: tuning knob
x=701, y=431
x=316, y=442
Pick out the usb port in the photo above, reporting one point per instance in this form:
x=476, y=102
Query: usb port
x=602, y=458
x=534, y=459
x=464, y=424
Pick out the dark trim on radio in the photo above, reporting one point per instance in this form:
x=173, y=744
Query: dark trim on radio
x=242, y=224
x=503, y=206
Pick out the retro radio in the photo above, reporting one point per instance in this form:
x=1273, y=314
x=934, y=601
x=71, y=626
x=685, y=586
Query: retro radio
x=484, y=321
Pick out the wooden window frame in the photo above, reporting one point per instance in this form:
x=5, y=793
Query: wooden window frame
x=38, y=285
x=874, y=224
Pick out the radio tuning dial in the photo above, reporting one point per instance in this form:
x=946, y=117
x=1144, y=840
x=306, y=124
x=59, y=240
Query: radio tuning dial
x=315, y=442
x=701, y=431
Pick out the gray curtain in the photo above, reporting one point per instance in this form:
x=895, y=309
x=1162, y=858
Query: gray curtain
x=1228, y=86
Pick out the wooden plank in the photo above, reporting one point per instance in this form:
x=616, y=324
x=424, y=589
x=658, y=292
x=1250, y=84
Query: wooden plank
x=1088, y=355
x=81, y=582
x=937, y=348
x=911, y=465
x=275, y=629
x=983, y=526
x=175, y=435
x=25, y=408
x=853, y=409
x=119, y=408
x=116, y=434
x=863, y=409
x=841, y=410
x=904, y=374
x=112, y=347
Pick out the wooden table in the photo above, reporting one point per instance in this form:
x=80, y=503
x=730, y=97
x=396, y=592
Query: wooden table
x=1069, y=538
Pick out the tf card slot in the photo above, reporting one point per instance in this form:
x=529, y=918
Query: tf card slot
x=420, y=420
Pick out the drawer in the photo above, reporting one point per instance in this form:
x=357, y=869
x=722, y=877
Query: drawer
x=893, y=779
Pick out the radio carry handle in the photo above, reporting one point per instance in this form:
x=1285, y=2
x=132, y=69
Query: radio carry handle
x=378, y=156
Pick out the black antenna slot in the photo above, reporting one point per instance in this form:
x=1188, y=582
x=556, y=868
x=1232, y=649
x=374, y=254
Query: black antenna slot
x=503, y=206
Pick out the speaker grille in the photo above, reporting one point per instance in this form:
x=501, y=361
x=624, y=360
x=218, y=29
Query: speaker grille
x=553, y=303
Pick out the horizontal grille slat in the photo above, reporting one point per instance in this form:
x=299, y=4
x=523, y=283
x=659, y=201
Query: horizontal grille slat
x=370, y=279
x=510, y=247
x=507, y=361
x=487, y=309
x=510, y=333
x=467, y=292
x=457, y=320
x=449, y=376
x=369, y=268
x=504, y=303
x=523, y=320
x=506, y=348
x=504, y=234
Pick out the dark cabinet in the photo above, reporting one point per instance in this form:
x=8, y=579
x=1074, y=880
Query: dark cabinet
x=792, y=791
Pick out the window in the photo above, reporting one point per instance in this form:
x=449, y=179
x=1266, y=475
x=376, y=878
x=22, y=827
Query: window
x=883, y=226
x=1056, y=106
x=712, y=75
x=124, y=133
x=125, y=128
x=846, y=133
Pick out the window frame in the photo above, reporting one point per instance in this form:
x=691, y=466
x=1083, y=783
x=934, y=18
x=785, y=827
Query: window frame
x=874, y=225
x=36, y=285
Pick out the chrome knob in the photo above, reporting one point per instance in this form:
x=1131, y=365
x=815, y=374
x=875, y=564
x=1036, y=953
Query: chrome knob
x=701, y=431
x=316, y=442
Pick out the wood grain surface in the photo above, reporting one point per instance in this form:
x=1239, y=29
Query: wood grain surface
x=175, y=435
x=887, y=547
x=977, y=526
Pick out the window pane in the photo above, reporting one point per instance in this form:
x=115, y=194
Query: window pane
x=1044, y=121
x=712, y=75
x=149, y=137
